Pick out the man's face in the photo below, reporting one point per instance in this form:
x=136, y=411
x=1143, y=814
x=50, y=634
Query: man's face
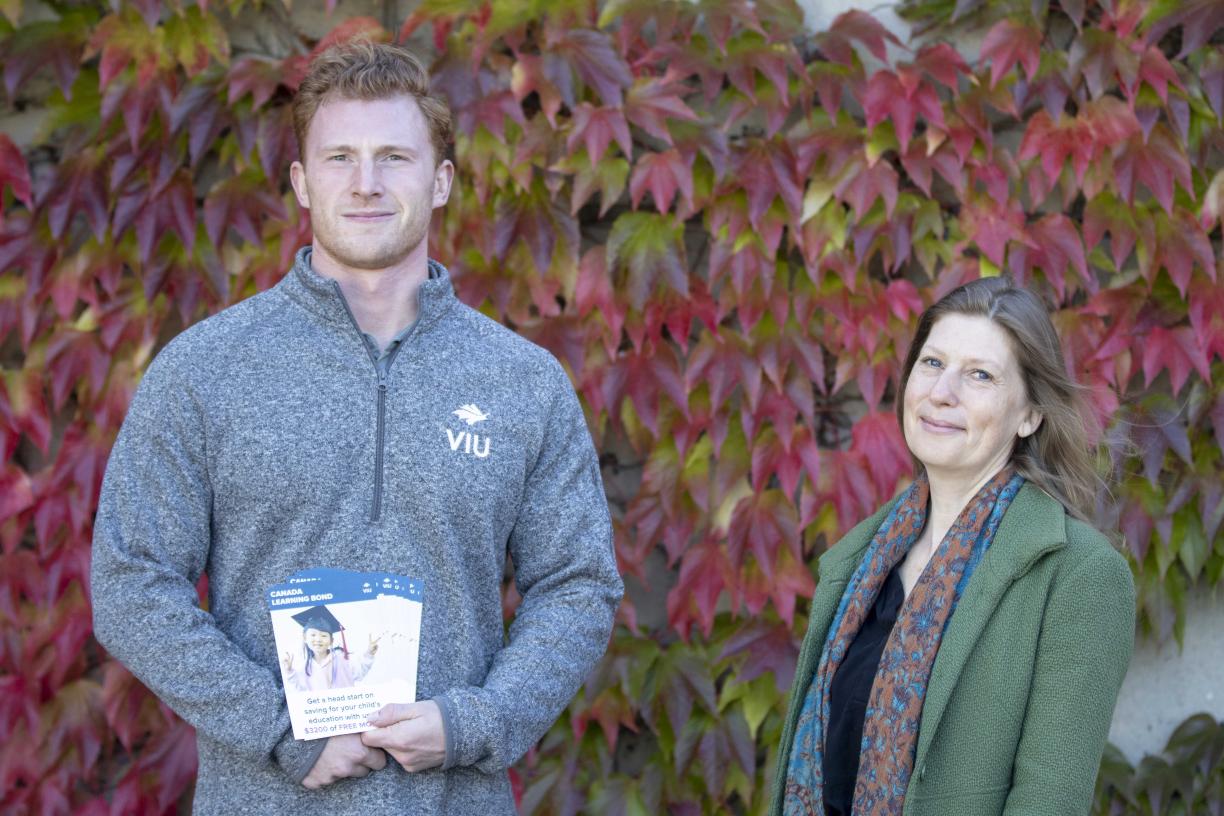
x=369, y=179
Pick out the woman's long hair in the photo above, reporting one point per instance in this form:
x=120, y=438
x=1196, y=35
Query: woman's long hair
x=1058, y=457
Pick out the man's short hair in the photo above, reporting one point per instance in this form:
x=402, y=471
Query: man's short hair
x=360, y=69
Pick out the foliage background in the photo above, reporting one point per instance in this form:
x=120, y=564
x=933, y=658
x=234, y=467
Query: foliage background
x=724, y=227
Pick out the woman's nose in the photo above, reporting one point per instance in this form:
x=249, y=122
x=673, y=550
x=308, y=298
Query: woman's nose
x=943, y=390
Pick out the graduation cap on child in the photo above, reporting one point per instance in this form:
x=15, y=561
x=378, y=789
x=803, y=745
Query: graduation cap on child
x=321, y=618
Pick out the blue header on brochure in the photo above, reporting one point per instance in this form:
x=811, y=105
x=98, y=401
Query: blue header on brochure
x=323, y=585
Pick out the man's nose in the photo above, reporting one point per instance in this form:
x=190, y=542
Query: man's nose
x=368, y=182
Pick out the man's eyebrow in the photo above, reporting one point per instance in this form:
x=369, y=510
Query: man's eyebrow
x=343, y=148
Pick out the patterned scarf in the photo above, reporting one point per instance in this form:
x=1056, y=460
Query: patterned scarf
x=894, y=709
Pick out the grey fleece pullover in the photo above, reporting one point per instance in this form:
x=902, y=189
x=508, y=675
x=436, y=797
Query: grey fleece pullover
x=265, y=440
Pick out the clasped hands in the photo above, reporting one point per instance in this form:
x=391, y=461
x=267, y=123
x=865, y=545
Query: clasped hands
x=412, y=734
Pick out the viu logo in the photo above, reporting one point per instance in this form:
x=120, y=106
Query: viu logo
x=470, y=442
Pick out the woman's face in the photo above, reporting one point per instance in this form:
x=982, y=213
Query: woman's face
x=965, y=402
x=318, y=641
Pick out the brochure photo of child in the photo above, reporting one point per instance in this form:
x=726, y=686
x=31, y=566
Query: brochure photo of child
x=324, y=661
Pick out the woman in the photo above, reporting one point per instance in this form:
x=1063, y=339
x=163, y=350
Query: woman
x=966, y=643
x=324, y=666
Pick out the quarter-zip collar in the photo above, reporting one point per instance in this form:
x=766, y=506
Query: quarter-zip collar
x=321, y=295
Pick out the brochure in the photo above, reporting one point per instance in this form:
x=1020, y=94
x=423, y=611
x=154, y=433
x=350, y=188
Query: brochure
x=348, y=644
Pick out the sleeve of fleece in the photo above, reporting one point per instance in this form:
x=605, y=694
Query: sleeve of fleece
x=1085, y=647
x=565, y=570
x=150, y=546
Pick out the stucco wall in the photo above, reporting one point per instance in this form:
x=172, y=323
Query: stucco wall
x=1166, y=685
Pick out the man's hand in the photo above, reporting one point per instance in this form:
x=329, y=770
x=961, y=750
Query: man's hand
x=412, y=734
x=344, y=755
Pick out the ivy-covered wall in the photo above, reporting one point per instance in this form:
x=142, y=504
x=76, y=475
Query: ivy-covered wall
x=723, y=226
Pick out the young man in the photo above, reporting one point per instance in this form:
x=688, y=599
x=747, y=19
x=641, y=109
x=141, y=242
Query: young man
x=357, y=415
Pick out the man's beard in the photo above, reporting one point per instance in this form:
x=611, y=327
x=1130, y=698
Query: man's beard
x=352, y=252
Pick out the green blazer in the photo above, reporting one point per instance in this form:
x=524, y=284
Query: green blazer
x=1023, y=689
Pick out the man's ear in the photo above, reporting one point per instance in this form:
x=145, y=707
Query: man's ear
x=444, y=175
x=297, y=177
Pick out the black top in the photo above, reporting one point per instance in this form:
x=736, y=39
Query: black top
x=848, y=696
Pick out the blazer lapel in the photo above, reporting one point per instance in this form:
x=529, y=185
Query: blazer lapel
x=1033, y=525
x=836, y=568
x=837, y=565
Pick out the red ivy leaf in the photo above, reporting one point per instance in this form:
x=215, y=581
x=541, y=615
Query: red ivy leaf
x=1105, y=214
x=943, y=62
x=769, y=459
x=257, y=76
x=595, y=59
x=1158, y=164
x=704, y=572
x=1183, y=245
x=535, y=220
x=878, y=438
x=531, y=74
x=1009, y=42
x=1176, y=351
x=1106, y=55
x=24, y=389
x=1155, y=70
x=1211, y=75
x=1101, y=124
x=651, y=103
x=16, y=493
x=13, y=171
x=903, y=299
x=649, y=248
x=768, y=649
x=715, y=362
x=595, y=128
x=1207, y=319
x=861, y=189
x=661, y=174
x=885, y=99
x=852, y=490
x=856, y=26
x=765, y=170
x=1056, y=244
x=991, y=225
x=1199, y=20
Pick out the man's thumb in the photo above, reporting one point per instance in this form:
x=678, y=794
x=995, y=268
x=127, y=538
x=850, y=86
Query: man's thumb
x=392, y=713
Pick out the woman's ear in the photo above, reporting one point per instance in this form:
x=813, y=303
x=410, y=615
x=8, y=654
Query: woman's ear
x=1029, y=425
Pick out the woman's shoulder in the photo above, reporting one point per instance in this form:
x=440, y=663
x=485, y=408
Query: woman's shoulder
x=1090, y=550
x=1075, y=544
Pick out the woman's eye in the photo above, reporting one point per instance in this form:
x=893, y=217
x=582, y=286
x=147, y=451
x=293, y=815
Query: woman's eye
x=981, y=376
x=932, y=362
